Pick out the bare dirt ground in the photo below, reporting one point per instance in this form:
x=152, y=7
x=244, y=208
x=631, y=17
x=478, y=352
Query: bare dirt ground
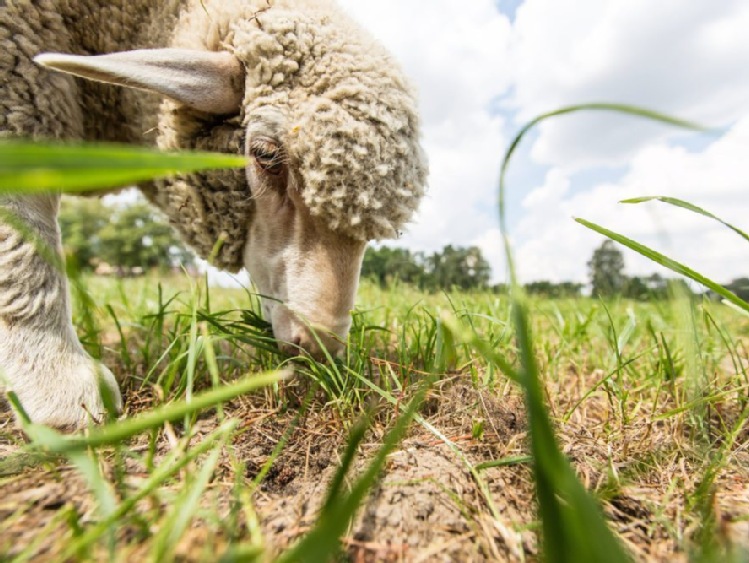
x=427, y=506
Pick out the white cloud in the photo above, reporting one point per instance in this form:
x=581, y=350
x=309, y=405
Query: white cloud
x=492, y=247
x=681, y=57
x=555, y=247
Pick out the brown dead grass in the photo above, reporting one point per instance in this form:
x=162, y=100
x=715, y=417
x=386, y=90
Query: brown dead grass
x=427, y=505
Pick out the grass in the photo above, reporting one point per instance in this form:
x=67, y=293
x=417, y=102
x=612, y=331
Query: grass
x=36, y=167
x=613, y=374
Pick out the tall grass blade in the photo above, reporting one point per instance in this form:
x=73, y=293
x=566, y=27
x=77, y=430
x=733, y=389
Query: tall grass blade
x=356, y=437
x=626, y=109
x=32, y=167
x=168, y=467
x=573, y=526
x=87, y=464
x=185, y=508
x=669, y=263
x=690, y=207
x=53, y=441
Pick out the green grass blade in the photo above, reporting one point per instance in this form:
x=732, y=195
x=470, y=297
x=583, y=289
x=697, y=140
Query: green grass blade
x=483, y=486
x=86, y=464
x=690, y=207
x=15, y=404
x=16, y=463
x=573, y=525
x=285, y=437
x=31, y=551
x=185, y=508
x=505, y=462
x=469, y=337
x=669, y=263
x=356, y=437
x=31, y=167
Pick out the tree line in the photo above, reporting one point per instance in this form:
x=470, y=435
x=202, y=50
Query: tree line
x=126, y=237
x=453, y=267
x=131, y=238
x=466, y=268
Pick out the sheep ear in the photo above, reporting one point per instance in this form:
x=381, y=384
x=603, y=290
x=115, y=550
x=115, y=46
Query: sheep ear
x=207, y=81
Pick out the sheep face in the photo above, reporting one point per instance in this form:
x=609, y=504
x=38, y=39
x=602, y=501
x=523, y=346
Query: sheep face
x=307, y=272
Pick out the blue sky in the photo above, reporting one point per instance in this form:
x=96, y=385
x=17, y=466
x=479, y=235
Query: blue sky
x=484, y=67
x=508, y=7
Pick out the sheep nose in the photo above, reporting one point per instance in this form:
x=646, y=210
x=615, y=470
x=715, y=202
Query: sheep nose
x=316, y=345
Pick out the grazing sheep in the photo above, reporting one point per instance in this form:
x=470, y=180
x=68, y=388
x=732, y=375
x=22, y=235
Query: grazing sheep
x=321, y=110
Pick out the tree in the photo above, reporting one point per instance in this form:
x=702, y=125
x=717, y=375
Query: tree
x=637, y=288
x=607, y=270
x=124, y=236
x=133, y=238
x=739, y=286
x=464, y=268
x=385, y=265
x=554, y=290
x=453, y=267
x=80, y=220
x=569, y=289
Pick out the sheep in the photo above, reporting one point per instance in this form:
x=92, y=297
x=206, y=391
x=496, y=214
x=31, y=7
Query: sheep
x=324, y=114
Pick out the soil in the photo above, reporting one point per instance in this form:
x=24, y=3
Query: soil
x=427, y=505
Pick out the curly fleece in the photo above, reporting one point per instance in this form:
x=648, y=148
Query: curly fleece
x=351, y=137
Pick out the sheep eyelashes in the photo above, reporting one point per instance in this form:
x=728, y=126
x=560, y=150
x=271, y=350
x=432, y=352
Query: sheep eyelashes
x=324, y=114
x=268, y=155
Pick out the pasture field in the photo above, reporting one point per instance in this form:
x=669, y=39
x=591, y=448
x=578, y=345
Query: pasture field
x=649, y=402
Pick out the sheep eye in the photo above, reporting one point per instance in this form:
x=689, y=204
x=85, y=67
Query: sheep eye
x=268, y=156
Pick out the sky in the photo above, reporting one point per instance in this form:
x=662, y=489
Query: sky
x=483, y=68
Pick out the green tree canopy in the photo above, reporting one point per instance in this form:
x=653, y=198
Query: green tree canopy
x=453, y=267
x=606, y=269
x=123, y=236
x=551, y=289
x=80, y=220
x=464, y=268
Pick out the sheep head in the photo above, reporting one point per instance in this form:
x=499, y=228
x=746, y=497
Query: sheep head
x=334, y=162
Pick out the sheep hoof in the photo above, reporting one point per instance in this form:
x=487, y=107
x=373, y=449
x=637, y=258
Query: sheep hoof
x=69, y=396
